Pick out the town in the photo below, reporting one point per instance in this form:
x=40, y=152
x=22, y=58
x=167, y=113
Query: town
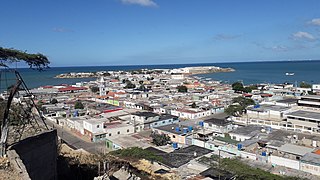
x=188, y=120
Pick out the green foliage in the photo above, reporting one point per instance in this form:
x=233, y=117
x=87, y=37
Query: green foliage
x=194, y=105
x=37, y=61
x=239, y=108
x=54, y=101
x=78, y=105
x=305, y=85
x=142, y=88
x=234, y=110
x=129, y=85
x=238, y=87
x=94, y=89
x=141, y=82
x=182, y=89
x=243, y=101
x=160, y=139
x=245, y=172
x=136, y=153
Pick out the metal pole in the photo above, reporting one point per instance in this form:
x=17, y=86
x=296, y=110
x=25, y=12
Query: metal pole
x=219, y=165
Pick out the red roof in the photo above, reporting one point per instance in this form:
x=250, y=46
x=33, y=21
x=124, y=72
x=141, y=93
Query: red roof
x=47, y=87
x=247, y=95
x=266, y=95
x=112, y=110
x=317, y=151
x=71, y=88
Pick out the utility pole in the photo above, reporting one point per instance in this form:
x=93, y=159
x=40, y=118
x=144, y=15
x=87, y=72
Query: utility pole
x=219, y=166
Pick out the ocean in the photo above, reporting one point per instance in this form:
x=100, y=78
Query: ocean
x=247, y=72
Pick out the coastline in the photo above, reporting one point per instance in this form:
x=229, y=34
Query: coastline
x=188, y=71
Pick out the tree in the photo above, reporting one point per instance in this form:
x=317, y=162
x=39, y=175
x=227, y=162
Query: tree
x=237, y=86
x=78, y=105
x=160, y=139
x=37, y=61
x=234, y=110
x=142, y=88
x=140, y=82
x=129, y=85
x=305, y=85
x=193, y=105
x=243, y=101
x=94, y=89
x=182, y=89
x=54, y=101
x=237, y=109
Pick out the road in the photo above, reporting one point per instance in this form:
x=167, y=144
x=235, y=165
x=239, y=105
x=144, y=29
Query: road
x=76, y=142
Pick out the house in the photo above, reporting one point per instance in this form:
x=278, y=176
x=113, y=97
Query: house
x=218, y=126
x=245, y=132
x=310, y=162
x=139, y=119
x=176, y=132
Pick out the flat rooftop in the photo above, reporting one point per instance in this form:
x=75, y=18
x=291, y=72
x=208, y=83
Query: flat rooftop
x=180, y=157
x=268, y=107
x=305, y=114
x=311, y=96
x=171, y=128
x=145, y=114
x=288, y=101
x=311, y=158
x=250, y=130
x=218, y=122
x=295, y=149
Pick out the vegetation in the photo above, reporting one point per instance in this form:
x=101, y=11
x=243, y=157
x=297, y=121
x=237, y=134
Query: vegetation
x=245, y=172
x=16, y=112
x=136, y=153
x=37, y=61
x=305, y=85
x=182, y=89
x=239, y=106
x=129, y=85
x=94, y=89
x=160, y=139
x=238, y=87
x=194, y=105
x=78, y=105
x=54, y=101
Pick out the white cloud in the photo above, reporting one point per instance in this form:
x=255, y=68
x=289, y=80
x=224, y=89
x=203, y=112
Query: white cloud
x=149, y=3
x=226, y=37
x=315, y=22
x=303, y=35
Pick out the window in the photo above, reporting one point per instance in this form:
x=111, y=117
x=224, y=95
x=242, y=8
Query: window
x=128, y=130
x=163, y=122
x=109, y=134
x=173, y=136
x=118, y=132
x=98, y=126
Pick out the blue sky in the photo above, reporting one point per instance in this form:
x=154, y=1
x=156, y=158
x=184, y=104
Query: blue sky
x=121, y=32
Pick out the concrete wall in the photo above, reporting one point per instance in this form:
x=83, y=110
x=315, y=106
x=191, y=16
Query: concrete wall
x=294, y=164
x=39, y=155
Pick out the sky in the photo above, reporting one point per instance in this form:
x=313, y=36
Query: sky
x=132, y=32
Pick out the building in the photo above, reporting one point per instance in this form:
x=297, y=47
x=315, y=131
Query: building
x=218, y=126
x=307, y=121
x=311, y=101
x=310, y=162
x=176, y=132
x=267, y=112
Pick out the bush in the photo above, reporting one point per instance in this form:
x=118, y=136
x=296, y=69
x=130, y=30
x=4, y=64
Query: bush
x=78, y=105
x=182, y=89
x=136, y=153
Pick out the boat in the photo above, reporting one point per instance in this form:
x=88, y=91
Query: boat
x=289, y=74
